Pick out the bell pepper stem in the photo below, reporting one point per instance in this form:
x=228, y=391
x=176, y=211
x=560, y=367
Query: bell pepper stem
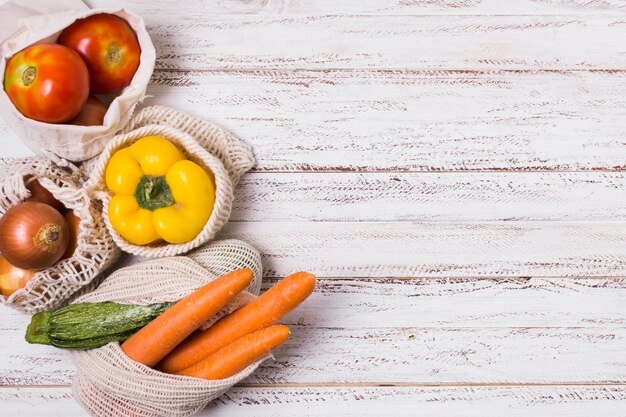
x=153, y=193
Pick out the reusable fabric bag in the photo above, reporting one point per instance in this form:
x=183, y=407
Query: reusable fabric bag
x=109, y=383
x=74, y=143
x=99, y=244
x=203, y=142
x=95, y=250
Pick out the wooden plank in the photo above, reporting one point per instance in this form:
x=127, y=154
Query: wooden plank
x=406, y=120
x=469, y=196
x=430, y=302
x=425, y=355
x=26, y=364
x=40, y=402
x=431, y=401
x=413, y=355
x=437, y=249
x=411, y=120
x=486, y=302
x=10, y=144
x=377, y=7
x=509, y=330
x=195, y=39
x=515, y=401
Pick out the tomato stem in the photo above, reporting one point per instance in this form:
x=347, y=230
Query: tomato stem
x=29, y=76
x=114, y=54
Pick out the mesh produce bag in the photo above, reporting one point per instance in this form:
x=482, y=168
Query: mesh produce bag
x=204, y=143
x=95, y=251
x=109, y=383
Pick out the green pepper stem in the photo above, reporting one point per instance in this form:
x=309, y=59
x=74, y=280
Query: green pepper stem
x=153, y=193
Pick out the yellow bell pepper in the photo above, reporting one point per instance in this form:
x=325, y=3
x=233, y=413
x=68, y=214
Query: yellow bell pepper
x=158, y=193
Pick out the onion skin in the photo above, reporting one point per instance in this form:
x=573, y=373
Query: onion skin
x=73, y=225
x=41, y=194
x=13, y=278
x=33, y=235
x=92, y=113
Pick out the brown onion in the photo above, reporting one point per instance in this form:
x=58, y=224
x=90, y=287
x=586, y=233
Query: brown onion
x=73, y=225
x=92, y=113
x=41, y=194
x=13, y=278
x=33, y=235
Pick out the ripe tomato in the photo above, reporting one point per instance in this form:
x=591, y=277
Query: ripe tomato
x=109, y=47
x=47, y=82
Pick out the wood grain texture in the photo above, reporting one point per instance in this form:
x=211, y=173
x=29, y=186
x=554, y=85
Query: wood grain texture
x=374, y=7
x=514, y=401
x=348, y=105
x=465, y=356
x=412, y=120
x=331, y=355
x=406, y=120
x=386, y=42
x=487, y=302
x=450, y=249
x=431, y=302
x=401, y=355
x=468, y=196
x=431, y=401
x=487, y=196
x=397, y=330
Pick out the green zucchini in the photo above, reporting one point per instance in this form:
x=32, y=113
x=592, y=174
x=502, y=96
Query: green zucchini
x=90, y=325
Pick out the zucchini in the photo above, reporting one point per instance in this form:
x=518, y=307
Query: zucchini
x=90, y=325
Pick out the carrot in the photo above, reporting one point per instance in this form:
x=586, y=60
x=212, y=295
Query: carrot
x=150, y=344
x=237, y=355
x=266, y=310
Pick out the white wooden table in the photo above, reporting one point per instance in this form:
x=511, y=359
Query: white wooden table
x=453, y=171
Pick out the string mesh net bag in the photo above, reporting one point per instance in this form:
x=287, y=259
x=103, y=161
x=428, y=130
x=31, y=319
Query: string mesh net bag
x=108, y=383
x=204, y=143
x=95, y=249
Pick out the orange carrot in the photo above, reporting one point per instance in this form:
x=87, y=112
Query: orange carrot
x=266, y=310
x=150, y=344
x=237, y=355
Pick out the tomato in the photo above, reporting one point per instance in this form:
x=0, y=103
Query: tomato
x=109, y=47
x=47, y=82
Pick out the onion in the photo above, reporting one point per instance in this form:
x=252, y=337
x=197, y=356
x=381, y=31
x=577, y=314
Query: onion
x=92, y=113
x=12, y=278
x=39, y=193
x=33, y=235
x=73, y=225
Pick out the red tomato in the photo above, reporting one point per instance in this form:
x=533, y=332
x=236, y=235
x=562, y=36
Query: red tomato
x=47, y=82
x=109, y=47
